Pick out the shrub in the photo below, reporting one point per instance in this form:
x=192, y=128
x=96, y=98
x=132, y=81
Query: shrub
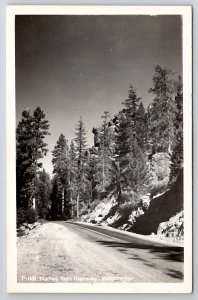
x=93, y=204
x=93, y=221
x=103, y=195
x=125, y=210
x=25, y=215
x=84, y=211
x=130, y=202
x=131, y=198
x=125, y=197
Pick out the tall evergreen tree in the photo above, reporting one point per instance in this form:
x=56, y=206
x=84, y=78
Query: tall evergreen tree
x=93, y=175
x=56, y=199
x=127, y=123
x=80, y=146
x=60, y=164
x=105, y=150
x=42, y=194
x=72, y=177
x=131, y=161
x=161, y=111
x=30, y=148
x=142, y=126
x=177, y=145
x=80, y=141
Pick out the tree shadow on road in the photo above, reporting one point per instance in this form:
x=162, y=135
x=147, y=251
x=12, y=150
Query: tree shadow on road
x=175, y=274
x=175, y=254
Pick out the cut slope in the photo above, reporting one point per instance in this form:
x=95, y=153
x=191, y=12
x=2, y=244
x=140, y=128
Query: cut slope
x=161, y=209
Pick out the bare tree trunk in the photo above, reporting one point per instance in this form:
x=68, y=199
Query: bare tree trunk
x=103, y=175
x=118, y=181
x=63, y=201
x=72, y=208
x=77, y=207
x=34, y=203
x=91, y=191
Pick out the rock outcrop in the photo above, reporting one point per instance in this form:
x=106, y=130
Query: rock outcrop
x=25, y=228
x=173, y=228
x=161, y=209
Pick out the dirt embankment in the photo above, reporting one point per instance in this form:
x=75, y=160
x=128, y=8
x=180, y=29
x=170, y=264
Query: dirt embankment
x=161, y=209
x=165, y=208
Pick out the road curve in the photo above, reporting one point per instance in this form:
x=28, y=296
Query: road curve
x=64, y=252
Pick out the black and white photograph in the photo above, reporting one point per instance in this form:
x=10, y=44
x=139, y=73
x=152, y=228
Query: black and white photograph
x=99, y=196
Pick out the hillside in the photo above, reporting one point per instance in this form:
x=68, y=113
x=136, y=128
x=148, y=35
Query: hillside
x=161, y=209
x=162, y=216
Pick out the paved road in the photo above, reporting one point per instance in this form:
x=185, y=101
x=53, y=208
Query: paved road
x=63, y=252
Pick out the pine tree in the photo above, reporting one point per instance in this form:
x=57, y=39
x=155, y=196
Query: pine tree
x=56, y=199
x=128, y=119
x=42, y=194
x=81, y=180
x=142, y=126
x=30, y=148
x=60, y=166
x=131, y=103
x=130, y=159
x=161, y=111
x=105, y=150
x=72, y=172
x=93, y=176
x=80, y=141
x=177, y=148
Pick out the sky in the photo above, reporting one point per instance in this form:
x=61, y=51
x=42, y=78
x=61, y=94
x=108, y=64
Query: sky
x=74, y=66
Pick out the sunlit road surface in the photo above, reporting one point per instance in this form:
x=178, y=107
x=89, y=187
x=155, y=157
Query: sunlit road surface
x=63, y=252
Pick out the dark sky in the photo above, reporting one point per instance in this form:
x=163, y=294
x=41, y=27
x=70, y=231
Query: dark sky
x=83, y=65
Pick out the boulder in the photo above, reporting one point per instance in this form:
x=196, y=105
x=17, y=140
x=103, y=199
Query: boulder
x=173, y=228
x=22, y=228
x=146, y=200
x=30, y=226
x=26, y=231
x=162, y=227
x=140, y=211
x=36, y=224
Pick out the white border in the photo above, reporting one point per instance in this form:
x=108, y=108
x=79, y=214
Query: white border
x=12, y=285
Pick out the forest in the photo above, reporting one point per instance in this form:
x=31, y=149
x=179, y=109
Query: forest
x=119, y=164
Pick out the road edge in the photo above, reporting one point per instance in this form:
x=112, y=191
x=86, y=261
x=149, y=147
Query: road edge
x=123, y=235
